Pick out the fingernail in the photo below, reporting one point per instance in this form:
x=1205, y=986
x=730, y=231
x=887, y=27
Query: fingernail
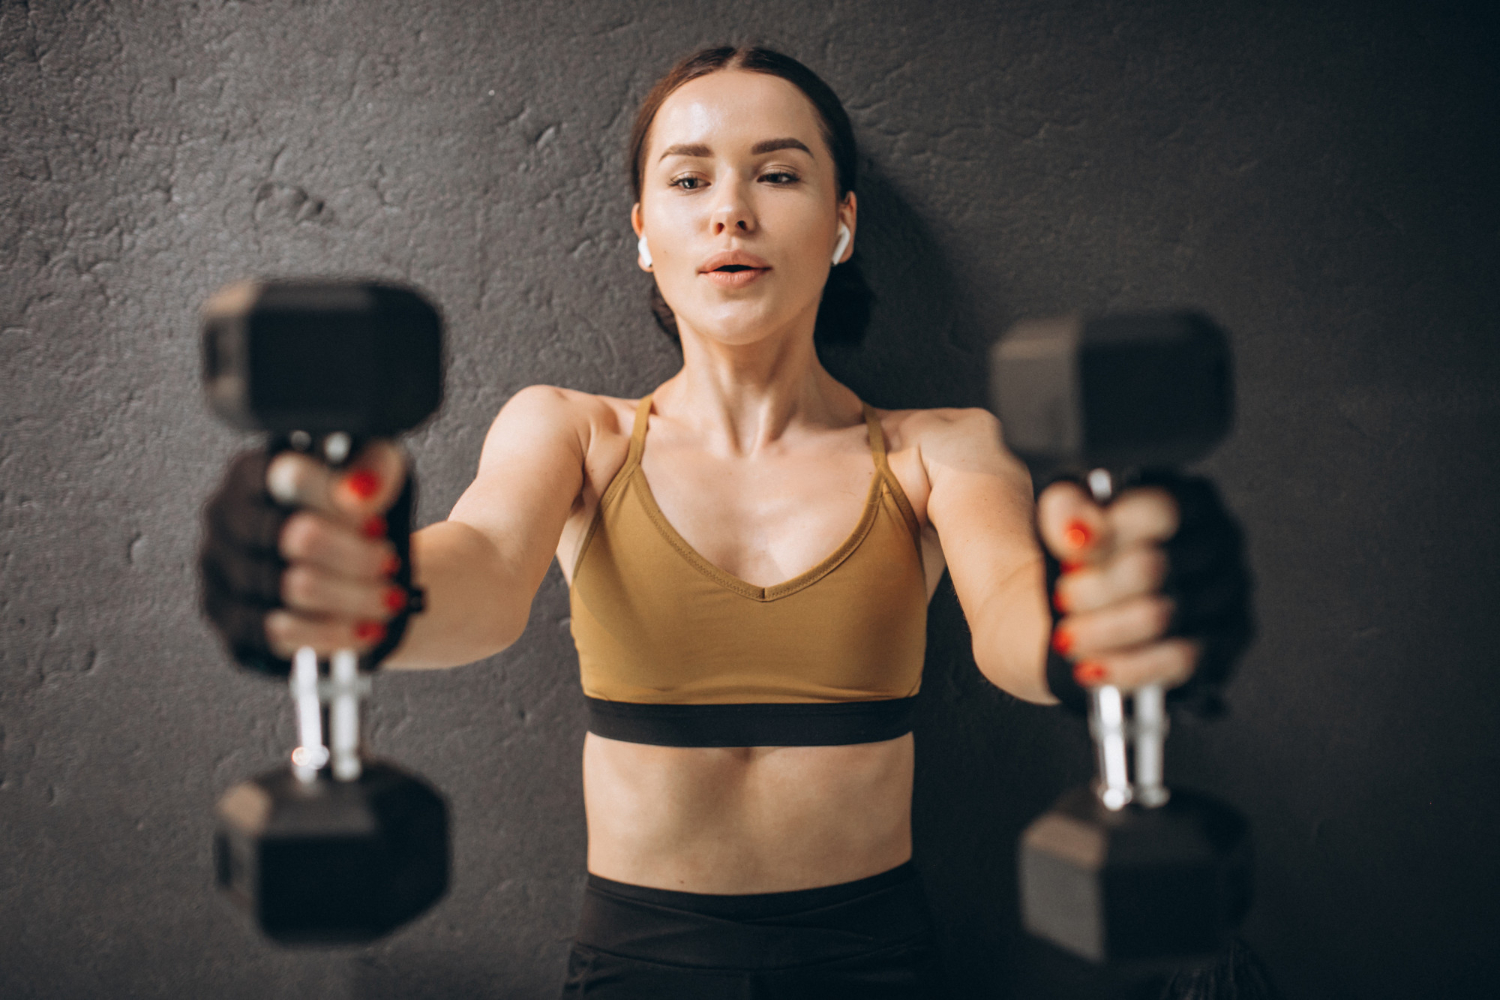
x=369, y=631
x=1062, y=641
x=1089, y=672
x=362, y=483
x=1058, y=603
x=391, y=564
x=375, y=527
x=1071, y=566
x=1077, y=534
x=395, y=599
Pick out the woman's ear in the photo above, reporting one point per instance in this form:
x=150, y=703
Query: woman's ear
x=848, y=215
x=643, y=252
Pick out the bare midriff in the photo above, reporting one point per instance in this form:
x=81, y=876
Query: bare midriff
x=746, y=819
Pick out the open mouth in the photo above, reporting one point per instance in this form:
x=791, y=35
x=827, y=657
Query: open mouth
x=738, y=270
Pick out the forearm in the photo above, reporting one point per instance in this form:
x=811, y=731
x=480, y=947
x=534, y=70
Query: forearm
x=1011, y=634
x=476, y=605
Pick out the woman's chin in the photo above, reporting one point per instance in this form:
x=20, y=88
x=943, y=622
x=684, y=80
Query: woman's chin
x=741, y=325
x=737, y=336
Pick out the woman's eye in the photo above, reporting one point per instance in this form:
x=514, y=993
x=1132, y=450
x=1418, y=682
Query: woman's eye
x=685, y=183
x=780, y=177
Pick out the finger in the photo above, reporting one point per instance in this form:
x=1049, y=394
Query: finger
x=1119, y=626
x=312, y=539
x=372, y=481
x=314, y=591
x=1072, y=526
x=353, y=494
x=298, y=480
x=1143, y=515
x=287, y=632
x=1133, y=572
x=1169, y=663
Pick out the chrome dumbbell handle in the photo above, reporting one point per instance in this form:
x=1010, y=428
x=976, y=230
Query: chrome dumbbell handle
x=1117, y=726
x=1151, y=725
x=342, y=692
x=311, y=755
x=346, y=690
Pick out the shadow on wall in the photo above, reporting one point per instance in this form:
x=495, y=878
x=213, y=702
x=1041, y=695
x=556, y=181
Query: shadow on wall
x=987, y=763
x=446, y=974
x=914, y=354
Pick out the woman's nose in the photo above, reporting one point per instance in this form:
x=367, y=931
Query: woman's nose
x=731, y=210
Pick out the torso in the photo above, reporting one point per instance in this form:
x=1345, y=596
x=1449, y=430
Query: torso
x=751, y=819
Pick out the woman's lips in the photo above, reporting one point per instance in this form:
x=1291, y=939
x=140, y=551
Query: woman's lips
x=735, y=279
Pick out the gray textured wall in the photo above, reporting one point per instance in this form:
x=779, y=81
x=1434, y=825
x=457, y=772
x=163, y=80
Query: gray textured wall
x=1322, y=181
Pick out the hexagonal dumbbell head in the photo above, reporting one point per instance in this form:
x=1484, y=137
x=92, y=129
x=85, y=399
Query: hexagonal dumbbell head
x=1116, y=392
x=1137, y=885
x=332, y=862
x=363, y=358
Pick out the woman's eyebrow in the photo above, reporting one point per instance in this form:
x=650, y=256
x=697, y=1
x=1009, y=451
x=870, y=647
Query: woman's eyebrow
x=772, y=145
x=764, y=146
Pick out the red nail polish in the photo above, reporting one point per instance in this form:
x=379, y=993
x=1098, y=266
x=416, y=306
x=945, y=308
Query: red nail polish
x=395, y=599
x=391, y=564
x=1071, y=566
x=362, y=483
x=1062, y=641
x=1058, y=603
x=375, y=527
x=369, y=631
x=1077, y=534
x=1089, y=672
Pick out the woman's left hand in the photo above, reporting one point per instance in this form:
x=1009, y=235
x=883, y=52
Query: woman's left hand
x=1153, y=587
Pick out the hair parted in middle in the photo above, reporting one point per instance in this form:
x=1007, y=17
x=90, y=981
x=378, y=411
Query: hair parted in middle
x=844, y=312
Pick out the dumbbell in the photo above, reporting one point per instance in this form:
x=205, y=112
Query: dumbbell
x=333, y=848
x=1124, y=873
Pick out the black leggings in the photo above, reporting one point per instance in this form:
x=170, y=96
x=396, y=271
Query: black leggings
x=869, y=939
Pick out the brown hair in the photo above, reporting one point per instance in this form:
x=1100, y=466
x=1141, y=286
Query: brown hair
x=845, y=310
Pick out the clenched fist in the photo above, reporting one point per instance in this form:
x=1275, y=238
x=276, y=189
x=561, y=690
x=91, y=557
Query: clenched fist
x=1150, y=589
x=297, y=554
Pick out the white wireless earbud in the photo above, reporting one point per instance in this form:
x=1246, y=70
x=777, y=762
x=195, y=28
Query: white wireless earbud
x=644, y=251
x=844, y=237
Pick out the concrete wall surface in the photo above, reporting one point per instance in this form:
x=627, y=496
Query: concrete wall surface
x=1318, y=177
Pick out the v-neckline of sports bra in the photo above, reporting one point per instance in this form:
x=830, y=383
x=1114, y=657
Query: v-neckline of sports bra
x=729, y=580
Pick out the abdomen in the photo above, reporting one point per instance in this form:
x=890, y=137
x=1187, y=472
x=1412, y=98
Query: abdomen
x=746, y=819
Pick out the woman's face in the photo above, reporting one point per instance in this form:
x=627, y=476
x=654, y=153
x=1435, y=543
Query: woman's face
x=736, y=162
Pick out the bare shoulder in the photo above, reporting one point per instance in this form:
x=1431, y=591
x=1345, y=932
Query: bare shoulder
x=551, y=415
x=557, y=405
x=946, y=435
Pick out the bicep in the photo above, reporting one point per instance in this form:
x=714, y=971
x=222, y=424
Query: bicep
x=531, y=471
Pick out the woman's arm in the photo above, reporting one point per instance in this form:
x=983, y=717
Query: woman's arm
x=1117, y=624
x=482, y=567
x=980, y=505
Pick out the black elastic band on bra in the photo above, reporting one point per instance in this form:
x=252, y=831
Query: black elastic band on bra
x=752, y=725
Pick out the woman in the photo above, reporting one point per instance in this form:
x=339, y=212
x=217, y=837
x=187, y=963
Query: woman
x=749, y=661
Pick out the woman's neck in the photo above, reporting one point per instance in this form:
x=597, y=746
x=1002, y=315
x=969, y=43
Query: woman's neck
x=742, y=397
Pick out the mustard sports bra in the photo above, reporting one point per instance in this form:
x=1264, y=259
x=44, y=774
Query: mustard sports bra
x=676, y=652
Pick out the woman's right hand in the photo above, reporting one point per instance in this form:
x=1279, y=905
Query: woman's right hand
x=297, y=554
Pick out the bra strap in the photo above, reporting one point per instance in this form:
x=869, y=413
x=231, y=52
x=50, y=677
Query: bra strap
x=877, y=448
x=638, y=432
x=877, y=438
